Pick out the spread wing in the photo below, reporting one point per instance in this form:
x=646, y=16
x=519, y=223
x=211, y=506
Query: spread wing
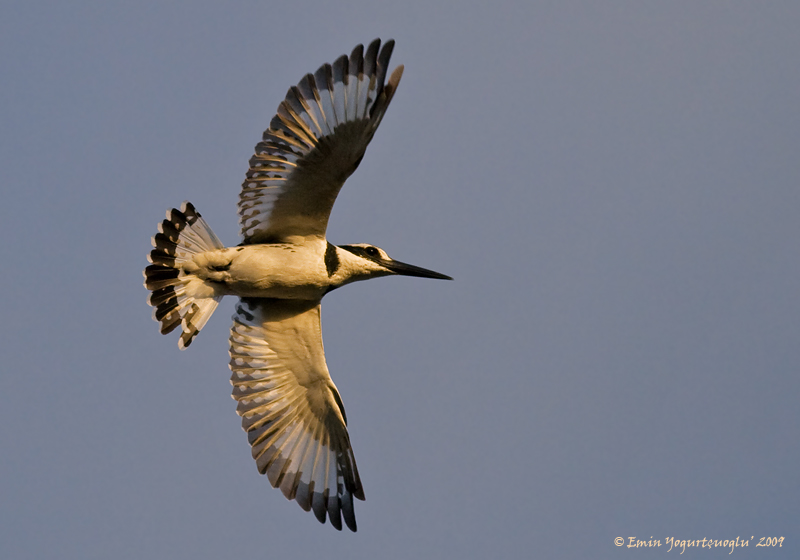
x=290, y=408
x=313, y=144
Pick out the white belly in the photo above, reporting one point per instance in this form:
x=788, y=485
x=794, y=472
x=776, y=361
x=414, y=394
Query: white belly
x=270, y=271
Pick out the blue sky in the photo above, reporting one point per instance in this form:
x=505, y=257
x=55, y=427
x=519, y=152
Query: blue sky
x=614, y=187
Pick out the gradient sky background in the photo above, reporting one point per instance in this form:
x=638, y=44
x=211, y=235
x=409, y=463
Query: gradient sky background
x=615, y=187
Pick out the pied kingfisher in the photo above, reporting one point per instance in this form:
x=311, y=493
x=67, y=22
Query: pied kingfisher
x=290, y=407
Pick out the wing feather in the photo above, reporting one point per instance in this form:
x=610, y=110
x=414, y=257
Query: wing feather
x=290, y=408
x=315, y=141
x=355, y=69
x=340, y=79
x=323, y=80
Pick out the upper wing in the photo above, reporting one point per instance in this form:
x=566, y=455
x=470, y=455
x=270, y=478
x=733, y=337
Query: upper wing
x=313, y=144
x=290, y=408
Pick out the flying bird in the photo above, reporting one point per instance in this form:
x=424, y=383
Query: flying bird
x=290, y=408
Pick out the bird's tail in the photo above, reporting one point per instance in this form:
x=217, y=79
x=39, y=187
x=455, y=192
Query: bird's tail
x=179, y=297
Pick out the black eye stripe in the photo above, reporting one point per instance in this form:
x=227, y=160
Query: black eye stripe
x=368, y=252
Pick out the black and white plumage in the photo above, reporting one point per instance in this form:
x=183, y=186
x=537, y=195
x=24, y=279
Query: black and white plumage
x=290, y=408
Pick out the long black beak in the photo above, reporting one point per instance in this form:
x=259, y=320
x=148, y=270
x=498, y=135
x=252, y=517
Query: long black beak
x=404, y=269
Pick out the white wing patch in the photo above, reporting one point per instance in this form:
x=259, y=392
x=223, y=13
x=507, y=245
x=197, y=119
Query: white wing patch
x=314, y=142
x=290, y=408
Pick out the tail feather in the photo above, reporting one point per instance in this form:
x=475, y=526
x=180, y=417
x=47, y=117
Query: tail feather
x=175, y=294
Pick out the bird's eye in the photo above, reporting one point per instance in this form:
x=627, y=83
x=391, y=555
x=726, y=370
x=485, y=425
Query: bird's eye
x=372, y=251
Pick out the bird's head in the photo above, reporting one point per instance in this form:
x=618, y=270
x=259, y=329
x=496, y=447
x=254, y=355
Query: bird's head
x=371, y=262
